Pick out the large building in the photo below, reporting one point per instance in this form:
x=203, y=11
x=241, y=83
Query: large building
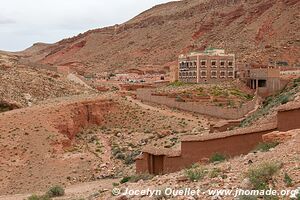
x=212, y=65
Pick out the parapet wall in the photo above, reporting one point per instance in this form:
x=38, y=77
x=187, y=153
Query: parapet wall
x=210, y=110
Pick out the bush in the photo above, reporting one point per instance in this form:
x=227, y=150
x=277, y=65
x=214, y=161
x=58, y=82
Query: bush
x=215, y=172
x=129, y=159
x=217, y=157
x=266, y=146
x=195, y=173
x=261, y=175
x=177, y=84
x=56, y=191
x=36, y=197
x=288, y=180
x=125, y=179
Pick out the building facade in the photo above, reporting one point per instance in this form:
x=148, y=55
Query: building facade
x=212, y=65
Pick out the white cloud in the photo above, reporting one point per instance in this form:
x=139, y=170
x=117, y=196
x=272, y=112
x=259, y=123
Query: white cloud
x=26, y=22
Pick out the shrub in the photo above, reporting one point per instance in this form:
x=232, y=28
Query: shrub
x=266, y=146
x=125, y=179
x=288, y=180
x=177, y=84
x=261, y=175
x=217, y=157
x=215, y=172
x=129, y=159
x=56, y=191
x=195, y=173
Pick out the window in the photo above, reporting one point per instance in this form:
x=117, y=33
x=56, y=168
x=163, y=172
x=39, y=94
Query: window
x=203, y=62
x=203, y=74
x=230, y=63
x=214, y=63
x=194, y=74
x=230, y=74
x=190, y=73
x=214, y=74
x=262, y=83
x=222, y=63
x=222, y=74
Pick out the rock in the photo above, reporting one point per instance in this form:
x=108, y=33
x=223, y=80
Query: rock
x=246, y=184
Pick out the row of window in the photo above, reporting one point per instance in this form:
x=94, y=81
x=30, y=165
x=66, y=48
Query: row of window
x=203, y=63
x=203, y=74
x=215, y=62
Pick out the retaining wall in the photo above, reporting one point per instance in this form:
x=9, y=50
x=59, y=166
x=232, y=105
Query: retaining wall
x=214, y=111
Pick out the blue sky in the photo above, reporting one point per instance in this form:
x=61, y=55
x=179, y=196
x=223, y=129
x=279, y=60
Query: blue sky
x=23, y=23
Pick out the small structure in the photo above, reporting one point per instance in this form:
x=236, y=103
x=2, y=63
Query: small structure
x=265, y=80
x=210, y=66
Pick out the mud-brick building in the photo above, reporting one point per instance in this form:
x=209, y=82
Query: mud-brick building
x=266, y=81
x=231, y=143
x=210, y=66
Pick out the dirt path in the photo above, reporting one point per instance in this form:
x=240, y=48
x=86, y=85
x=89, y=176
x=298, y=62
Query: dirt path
x=82, y=190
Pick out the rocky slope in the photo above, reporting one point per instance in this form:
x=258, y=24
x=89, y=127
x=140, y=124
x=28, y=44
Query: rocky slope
x=257, y=31
x=23, y=86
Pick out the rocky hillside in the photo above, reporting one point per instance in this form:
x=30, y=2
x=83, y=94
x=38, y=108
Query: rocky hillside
x=257, y=31
x=22, y=86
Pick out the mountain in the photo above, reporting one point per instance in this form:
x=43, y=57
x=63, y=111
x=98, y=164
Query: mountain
x=256, y=31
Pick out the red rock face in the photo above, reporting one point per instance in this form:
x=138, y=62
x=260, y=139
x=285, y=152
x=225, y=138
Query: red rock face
x=81, y=115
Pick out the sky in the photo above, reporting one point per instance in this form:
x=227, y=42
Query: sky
x=25, y=22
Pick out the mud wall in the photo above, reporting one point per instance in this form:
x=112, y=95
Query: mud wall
x=193, y=151
x=214, y=111
x=288, y=119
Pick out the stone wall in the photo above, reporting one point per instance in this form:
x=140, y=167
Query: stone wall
x=214, y=111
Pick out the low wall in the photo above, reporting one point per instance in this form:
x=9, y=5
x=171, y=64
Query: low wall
x=195, y=148
x=288, y=117
x=214, y=111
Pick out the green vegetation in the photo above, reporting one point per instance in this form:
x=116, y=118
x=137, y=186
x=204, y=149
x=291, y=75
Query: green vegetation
x=286, y=95
x=219, y=92
x=217, y=157
x=36, y=197
x=238, y=93
x=56, y=191
x=130, y=158
x=288, y=180
x=262, y=175
x=195, y=172
x=4, y=107
x=215, y=172
x=136, y=178
x=177, y=84
x=266, y=146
